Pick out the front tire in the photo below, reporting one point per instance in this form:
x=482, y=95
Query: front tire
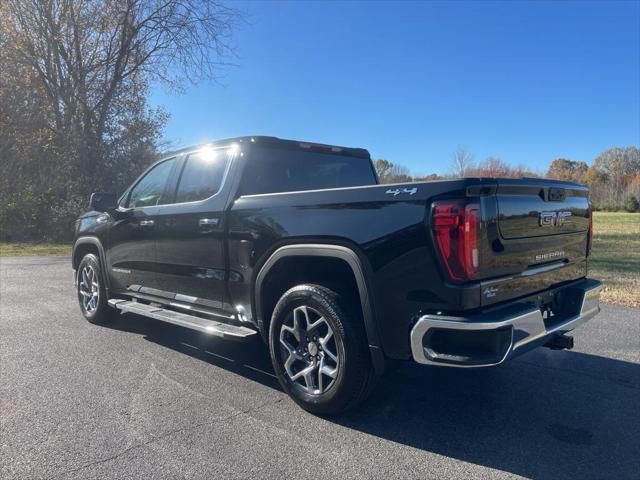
x=92, y=295
x=320, y=354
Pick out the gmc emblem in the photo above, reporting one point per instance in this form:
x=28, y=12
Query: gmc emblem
x=553, y=219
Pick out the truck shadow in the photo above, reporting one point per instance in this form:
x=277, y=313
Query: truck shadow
x=249, y=358
x=544, y=415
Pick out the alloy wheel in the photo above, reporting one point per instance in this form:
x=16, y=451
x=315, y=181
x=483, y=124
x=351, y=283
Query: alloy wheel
x=89, y=288
x=309, y=351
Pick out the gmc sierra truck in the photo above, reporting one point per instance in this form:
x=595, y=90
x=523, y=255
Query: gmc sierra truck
x=298, y=244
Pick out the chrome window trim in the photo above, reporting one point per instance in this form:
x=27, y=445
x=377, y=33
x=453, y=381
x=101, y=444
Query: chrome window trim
x=223, y=182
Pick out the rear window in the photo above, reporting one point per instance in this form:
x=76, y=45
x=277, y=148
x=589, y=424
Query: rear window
x=271, y=171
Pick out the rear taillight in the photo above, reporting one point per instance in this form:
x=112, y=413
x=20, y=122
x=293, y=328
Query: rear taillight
x=590, y=233
x=456, y=225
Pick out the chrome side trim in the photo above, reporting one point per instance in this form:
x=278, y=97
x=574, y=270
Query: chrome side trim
x=190, y=308
x=526, y=326
x=544, y=268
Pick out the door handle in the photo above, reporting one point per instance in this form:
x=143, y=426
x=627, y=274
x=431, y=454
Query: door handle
x=146, y=223
x=208, y=222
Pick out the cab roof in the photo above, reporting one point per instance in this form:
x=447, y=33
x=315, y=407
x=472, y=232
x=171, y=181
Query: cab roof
x=275, y=142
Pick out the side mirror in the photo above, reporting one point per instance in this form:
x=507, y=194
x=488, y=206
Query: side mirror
x=103, y=202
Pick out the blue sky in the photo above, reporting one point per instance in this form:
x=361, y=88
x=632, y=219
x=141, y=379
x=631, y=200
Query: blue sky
x=524, y=81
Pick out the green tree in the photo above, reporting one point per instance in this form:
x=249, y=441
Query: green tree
x=631, y=204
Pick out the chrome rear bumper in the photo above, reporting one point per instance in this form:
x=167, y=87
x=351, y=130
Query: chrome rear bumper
x=489, y=339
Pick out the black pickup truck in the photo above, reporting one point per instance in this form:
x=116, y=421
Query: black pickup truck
x=299, y=244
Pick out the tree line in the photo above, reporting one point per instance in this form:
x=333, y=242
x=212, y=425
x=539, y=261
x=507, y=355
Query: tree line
x=74, y=81
x=613, y=177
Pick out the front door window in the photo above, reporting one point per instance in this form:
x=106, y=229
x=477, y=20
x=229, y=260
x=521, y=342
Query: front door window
x=150, y=189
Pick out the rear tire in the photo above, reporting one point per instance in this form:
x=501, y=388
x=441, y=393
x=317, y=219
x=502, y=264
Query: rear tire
x=320, y=354
x=92, y=295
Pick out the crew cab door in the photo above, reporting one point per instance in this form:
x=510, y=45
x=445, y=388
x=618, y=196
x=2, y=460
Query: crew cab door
x=131, y=253
x=190, y=243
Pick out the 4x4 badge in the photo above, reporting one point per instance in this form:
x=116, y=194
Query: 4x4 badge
x=397, y=191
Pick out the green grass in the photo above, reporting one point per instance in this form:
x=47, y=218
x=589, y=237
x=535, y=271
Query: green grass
x=33, y=249
x=615, y=257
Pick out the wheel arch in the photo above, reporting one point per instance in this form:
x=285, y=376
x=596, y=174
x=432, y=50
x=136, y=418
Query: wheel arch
x=321, y=251
x=85, y=245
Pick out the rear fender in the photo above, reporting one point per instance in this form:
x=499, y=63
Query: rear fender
x=334, y=251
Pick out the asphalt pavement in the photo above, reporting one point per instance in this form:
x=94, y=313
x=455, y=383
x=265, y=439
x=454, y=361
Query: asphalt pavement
x=143, y=399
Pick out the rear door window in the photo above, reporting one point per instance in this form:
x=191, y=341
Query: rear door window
x=202, y=175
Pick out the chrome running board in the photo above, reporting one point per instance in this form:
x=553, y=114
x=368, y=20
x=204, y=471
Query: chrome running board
x=211, y=327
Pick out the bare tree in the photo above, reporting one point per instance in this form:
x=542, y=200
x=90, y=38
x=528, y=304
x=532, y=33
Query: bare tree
x=613, y=177
x=389, y=172
x=74, y=82
x=92, y=56
x=495, y=167
x=461, y=161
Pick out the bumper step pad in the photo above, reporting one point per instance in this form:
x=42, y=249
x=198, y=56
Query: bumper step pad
x=211, y=327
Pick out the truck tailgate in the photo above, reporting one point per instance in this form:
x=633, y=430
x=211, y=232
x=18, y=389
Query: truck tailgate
x=536, y=237
x=536, y=210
